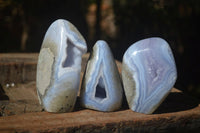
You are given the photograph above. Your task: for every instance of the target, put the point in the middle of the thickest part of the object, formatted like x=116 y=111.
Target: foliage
x=23 y=23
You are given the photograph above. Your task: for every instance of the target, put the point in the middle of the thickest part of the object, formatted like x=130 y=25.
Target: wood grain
x=20 y=110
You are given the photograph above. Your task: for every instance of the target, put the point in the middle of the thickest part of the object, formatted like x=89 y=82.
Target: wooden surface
x=21 y=112
x=17 y=68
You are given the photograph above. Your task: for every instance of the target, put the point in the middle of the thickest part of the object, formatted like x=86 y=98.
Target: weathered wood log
x=17 y=68
x=20 y=110
x=94 y=121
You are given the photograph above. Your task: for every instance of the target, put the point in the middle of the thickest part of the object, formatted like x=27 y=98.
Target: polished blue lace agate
x=148 y=74
x=101 y=87
x=59 y=67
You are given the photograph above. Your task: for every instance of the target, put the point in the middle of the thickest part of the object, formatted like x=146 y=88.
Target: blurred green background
x=23 y=24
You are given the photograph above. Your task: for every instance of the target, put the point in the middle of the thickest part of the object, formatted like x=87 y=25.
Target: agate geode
x=101 y=87
x=59 y=66
x=148 y=74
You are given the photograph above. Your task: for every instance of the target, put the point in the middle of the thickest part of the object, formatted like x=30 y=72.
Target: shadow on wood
x=177 y=101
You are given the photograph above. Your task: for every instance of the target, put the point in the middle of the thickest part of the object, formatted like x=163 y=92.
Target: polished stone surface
x=101 y=87
x=148 y=74
x=59 y=66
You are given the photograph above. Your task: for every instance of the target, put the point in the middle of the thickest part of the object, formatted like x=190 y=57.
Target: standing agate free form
x=148 y=74
x=59 y=66
x=101 y=87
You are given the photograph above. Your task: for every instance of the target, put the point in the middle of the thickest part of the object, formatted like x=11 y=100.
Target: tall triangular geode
x=101 y=87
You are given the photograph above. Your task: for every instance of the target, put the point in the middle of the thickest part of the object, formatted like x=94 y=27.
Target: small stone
x=59 y=66
x=7 y=85
x=148 y=74
x=12 y=84
x=101 y=87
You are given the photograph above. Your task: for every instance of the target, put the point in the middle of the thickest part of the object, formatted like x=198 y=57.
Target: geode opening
x=100 y=89
x=71 y=55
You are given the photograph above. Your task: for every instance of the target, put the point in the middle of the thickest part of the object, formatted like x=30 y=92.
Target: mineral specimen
x=101 y=87
x=59 y=66
x=148 y=74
